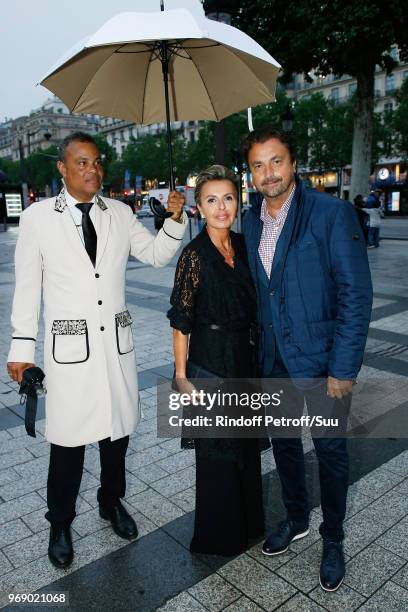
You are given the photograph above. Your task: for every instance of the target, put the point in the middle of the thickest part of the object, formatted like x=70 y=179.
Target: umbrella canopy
x=214 y=70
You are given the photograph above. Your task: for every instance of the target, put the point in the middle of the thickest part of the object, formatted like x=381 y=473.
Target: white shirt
x=272 y=228
x=375 y=216
x=76 y=214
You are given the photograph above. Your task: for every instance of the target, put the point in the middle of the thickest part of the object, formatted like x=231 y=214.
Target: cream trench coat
x=89 y=357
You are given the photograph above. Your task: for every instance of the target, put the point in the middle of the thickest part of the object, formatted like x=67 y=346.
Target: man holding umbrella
x=74 y=250
x=122 y=71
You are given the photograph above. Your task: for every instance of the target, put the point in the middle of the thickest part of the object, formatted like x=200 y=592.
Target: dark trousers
x=374 y=236
x=333 y=463
x=65 y=474
x=229 y=507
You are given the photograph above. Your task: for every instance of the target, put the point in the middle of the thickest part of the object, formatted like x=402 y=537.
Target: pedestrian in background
x=373 y=209
x=373 y=199
x=363 y=217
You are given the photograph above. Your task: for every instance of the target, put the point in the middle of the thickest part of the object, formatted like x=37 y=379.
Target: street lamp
x=220 y=10
x=287 y=119
x=29 y=136
x=23 y=178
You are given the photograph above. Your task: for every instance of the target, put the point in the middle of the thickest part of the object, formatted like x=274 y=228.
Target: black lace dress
x=216 y=305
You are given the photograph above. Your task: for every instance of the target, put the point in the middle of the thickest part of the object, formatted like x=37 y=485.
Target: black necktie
x=88 y=230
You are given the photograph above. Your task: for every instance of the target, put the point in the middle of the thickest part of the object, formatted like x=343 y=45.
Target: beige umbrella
x=210 y=70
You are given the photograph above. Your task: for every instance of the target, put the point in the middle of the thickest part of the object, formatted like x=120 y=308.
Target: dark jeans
x=374 y=236
x=333 y=463
x=65 y=474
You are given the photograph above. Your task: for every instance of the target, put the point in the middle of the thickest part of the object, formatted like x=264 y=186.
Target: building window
x=405 y=75
x=192 y=137
x=389 y=83
x=334 y=94
x=388 y=106
x=352 y=89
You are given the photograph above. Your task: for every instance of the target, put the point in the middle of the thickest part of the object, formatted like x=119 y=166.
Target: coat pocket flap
x=305 y=245
x=123 y=319
x=69 y=327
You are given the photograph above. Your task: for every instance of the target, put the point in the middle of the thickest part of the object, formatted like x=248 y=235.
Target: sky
x=35 y=34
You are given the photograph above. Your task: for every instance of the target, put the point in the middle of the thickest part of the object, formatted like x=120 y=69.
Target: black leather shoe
x=60 y=551
x=278 y=542
x=332 y=568
x=122 y=523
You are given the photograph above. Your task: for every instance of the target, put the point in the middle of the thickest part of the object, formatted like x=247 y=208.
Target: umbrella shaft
x=165 y=68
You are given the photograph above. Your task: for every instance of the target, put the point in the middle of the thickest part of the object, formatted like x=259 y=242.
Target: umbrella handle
x=158 y=209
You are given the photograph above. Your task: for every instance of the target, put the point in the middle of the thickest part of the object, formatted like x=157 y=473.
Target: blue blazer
x=320 y=291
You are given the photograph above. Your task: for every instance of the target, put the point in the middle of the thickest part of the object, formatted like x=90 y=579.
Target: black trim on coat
x=71 y=362
x=170 y=236
x=117 y=338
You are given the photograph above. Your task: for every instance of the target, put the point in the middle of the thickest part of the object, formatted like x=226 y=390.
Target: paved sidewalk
x=394 y=228
x=157 y=571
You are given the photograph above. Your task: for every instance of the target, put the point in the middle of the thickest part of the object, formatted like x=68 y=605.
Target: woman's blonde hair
x=214 y=173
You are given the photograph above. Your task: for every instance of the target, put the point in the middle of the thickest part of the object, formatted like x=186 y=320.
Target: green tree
x=113 y=177
x=11 y=170
x=180 y=159
x=41 y=169
x=236 y=126
x=148 y=157
x=109 y=157
x=310 y=117
x=200 y=153
x=326 y=131
x=333 y=36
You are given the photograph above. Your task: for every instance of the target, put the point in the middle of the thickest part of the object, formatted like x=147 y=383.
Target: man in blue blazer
x=308 y=259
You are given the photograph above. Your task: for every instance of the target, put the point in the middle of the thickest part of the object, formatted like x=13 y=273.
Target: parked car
x=144 y=211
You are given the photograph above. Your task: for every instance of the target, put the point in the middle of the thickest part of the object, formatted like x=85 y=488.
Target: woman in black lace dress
x=213 y=306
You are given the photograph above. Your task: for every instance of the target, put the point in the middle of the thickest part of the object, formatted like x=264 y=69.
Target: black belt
x=251 y=328
x=230 y=328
